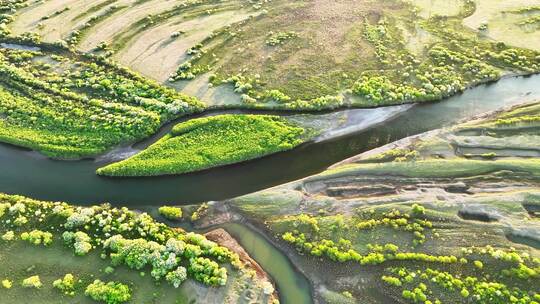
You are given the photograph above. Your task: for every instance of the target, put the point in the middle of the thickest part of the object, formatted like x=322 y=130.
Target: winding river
x=30 y=174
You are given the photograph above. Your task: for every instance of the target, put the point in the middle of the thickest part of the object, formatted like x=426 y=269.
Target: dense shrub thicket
x=125 y=237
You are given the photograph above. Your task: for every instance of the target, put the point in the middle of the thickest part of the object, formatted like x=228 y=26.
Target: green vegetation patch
x=485 y=275
x=373 y=238
x=67 y=105
x=454 y=168
x=210 y=142
x=62 y=253
x=170 y=213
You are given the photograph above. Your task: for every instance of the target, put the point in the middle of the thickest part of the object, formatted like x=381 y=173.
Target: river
x=28 y=173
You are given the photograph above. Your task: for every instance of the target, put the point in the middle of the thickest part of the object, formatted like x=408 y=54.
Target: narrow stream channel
x=293 y=287
x=27 y=173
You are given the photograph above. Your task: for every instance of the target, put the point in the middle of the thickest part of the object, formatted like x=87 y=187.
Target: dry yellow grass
x=503 y=26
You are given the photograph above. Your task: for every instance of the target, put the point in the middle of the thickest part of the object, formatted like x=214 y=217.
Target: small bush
x=110 y=293
x=171 y=213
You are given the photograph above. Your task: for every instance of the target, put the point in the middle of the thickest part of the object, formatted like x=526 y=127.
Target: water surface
x=293 y=287
x=27 y=173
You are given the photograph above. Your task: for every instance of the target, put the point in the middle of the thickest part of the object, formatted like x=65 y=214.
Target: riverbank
x=30 y=174
x=339 y=217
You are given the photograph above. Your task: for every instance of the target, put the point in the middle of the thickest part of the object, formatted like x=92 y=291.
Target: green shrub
x=32 y=282
x=109 y=293
x=66 y=285
x=171 y=213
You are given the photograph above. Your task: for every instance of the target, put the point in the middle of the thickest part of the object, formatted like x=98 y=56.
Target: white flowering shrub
x=8 y=236
x=81 y=243
x=80 y=218
x=17 y=208
x=176 y=246
x=177 y=277
x=268 y=288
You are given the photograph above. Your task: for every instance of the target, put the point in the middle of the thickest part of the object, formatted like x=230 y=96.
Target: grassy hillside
x=302 y=54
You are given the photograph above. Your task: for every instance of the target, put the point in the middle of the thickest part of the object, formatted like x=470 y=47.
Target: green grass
x=454 y=168
x=67 y=106
x=210 y=142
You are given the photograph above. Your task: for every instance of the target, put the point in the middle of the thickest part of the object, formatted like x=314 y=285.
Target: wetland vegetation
x=209 y=142
x=425 y=220
x=102 y=244
x=139 y=88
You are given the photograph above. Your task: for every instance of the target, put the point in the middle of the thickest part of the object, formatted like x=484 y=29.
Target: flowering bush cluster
x=79 y=240
x=37 y=237
x=135 y=240
x=110 y=293
x=165 y=259
x=177 y=276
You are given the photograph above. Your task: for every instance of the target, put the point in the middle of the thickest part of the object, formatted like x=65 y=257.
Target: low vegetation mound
x=210 y=142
